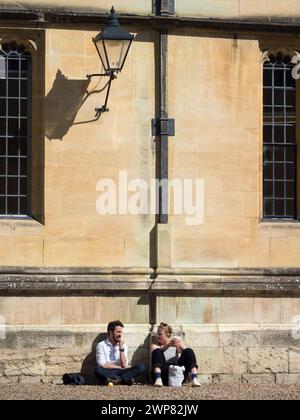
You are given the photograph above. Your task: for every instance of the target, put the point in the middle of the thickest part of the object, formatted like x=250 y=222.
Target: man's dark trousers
x=125 y=374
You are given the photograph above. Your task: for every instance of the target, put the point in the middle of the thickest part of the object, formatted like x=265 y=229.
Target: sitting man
x=112 y=358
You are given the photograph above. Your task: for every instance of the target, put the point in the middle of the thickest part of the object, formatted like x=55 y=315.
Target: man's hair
x=112 y=325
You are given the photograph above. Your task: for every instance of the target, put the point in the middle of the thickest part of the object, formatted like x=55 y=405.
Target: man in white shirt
x=112 y=358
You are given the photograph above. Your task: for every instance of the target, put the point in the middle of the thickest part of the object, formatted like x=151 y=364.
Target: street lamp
x=112 y=45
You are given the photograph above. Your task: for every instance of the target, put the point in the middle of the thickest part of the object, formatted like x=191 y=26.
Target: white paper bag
x=176 y=375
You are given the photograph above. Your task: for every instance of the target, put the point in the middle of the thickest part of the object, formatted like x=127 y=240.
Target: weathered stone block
x=20 y=355
x=268 y=360
x=31 y=380
x=64 y=366
x=202 y=336
x=4 y=380
x=267 y=310
x=226 y=379
x=205 y=378
x=10 y=341
x=281 y=338
x=290 y=310
x=259 y=379
x=288 y=379
x=222 y=360
x=241 y=338
x=294 y=358
x=46 y=340
x=24 y=367
x=69 y=352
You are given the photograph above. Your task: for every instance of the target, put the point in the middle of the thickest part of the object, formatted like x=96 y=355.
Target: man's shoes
x=158 y=383
x=195 y=382
x=130 y=382
x=115 y=381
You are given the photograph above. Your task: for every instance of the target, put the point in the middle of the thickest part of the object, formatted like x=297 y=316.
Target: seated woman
x=171 y=351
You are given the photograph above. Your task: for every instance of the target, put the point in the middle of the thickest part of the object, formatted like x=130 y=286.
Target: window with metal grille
x=15 y=115
x=279 y=138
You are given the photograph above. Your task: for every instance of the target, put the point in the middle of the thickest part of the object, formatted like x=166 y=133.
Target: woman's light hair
x=166 y=328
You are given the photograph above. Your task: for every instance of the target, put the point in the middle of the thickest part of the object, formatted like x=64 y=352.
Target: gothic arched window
x=279 y=138
x=15 y=129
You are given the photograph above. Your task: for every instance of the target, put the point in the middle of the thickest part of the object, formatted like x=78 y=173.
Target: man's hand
x=112 y=366
x=123 y=359
x=121 y=342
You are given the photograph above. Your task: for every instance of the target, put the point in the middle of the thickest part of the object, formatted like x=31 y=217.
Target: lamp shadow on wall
x=63 y=102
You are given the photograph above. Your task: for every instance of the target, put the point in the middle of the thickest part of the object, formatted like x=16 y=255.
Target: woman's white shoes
x=158 y=382
x=195 y=382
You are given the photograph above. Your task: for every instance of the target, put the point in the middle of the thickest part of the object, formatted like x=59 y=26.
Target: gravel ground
x=143 y=392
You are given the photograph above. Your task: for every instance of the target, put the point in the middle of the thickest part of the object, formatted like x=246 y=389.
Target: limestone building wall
x=224 y=9
x=231 y=284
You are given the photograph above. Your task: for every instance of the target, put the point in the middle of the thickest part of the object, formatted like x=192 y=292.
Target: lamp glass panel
x=101 y=51
x=116 y=52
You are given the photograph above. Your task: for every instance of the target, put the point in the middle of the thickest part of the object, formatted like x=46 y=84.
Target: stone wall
x=219 y=9
x=226 y=353
x=231 y=284
x=238 y=9
x=101 y=6
x=253 y=340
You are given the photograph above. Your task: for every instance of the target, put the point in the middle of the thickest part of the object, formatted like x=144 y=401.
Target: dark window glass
x=12 y=186
x=12 y=166
x=13 y=146
x=2 y=186
x=3 y=88
x=268 y=207
x=13 y=127
x=2 y=146
x=12 y=205
x=13 y=88
x=2 y=107
x=23 y=147
x=13 y=107
x=290 y=208
x=3 y=124
x=23 y=186
x=290 y=189
x=2 y=166
x=280 y=147
x=23 y=205
x=2 y=205
x=14 y=134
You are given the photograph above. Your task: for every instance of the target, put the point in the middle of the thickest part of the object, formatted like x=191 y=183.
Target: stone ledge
x=61 y=282
x=230 y=284
x=162 y=281
x=53 y=15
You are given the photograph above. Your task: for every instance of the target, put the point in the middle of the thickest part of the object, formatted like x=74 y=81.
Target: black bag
x=73 y=379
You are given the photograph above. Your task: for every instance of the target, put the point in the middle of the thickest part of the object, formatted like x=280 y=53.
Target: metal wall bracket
x=163 y=127
x=163 y=7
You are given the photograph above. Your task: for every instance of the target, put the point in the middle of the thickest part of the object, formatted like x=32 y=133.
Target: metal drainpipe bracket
x=163 y=7
x=163 y=127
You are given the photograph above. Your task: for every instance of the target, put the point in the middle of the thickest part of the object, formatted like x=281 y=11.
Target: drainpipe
x=162 y=128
